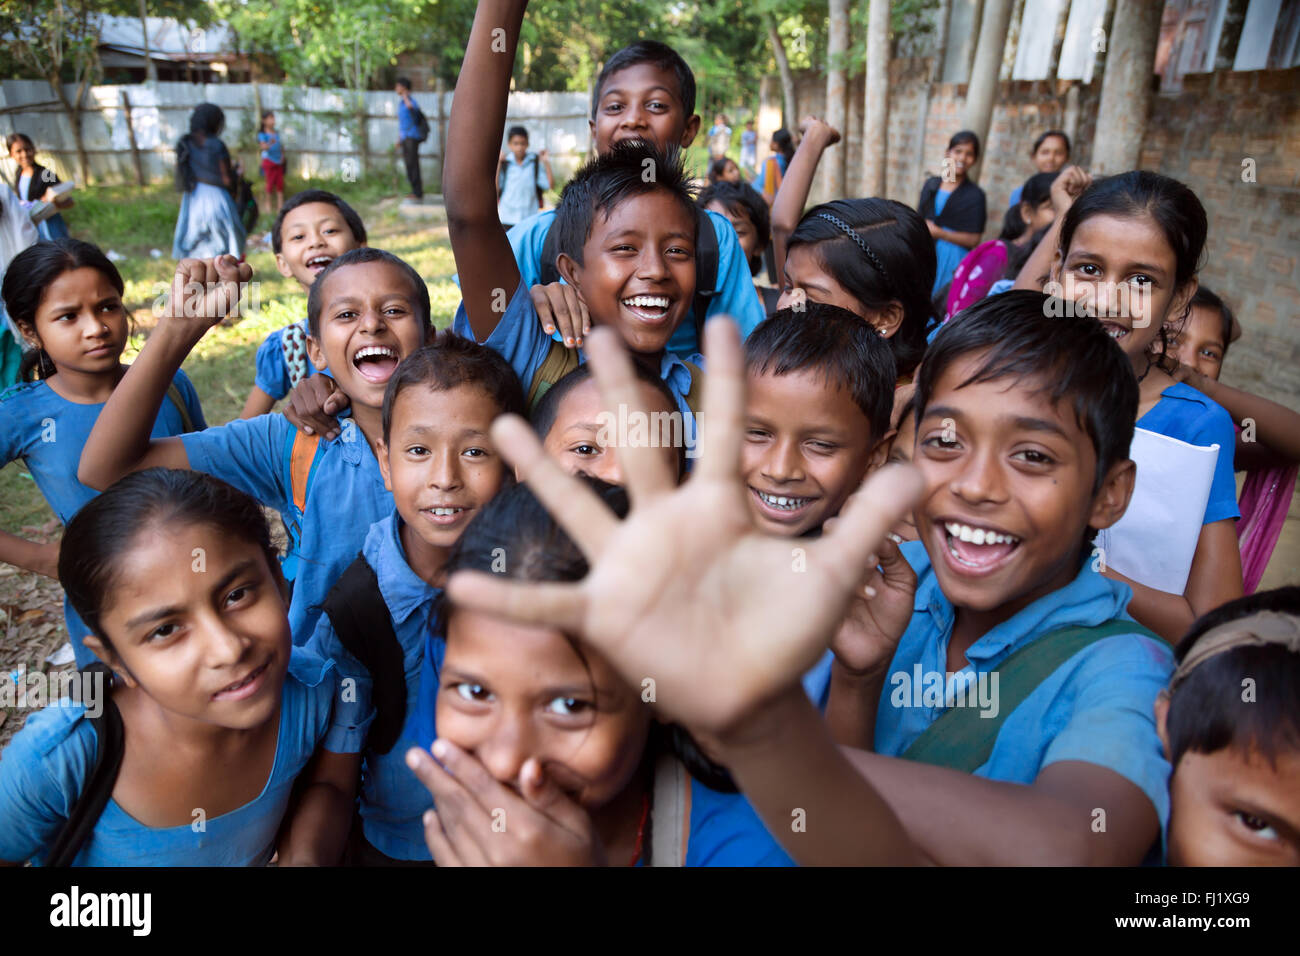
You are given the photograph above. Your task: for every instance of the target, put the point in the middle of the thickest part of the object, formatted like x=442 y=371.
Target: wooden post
x=875 y=127
x=1127 y=86
x=837 y=49
x=983 y=89
x=130 y=132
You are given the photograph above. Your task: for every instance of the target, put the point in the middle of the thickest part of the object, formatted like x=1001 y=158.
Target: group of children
x=493 y=642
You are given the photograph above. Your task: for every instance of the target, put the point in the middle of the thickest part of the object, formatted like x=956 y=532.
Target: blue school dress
x=48 y=432
x=1190 y=416
x=345 y=496
x=736 y=296
x=521 y=341
x=208 y=224
x=1097 y=707
x=393 y=799
x=45 y=767
x=274 y=374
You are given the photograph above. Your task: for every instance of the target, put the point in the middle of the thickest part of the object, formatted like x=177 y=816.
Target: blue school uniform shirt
x=272 y=151
x=345 y=496
x=521 y=341
x=736 y=297
x=393 y=799
x=406 y=126
x=1097 y=707
x=519 y=189
x=48 y=432
x=726 y=831
x=272 y=372
x=1190 y=416
x=45 y=767
x=948 y=254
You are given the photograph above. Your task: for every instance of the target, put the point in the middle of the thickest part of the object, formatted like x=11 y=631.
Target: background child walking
x=272 y=162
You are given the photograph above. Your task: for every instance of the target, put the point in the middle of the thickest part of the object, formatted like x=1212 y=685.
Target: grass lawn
x=133 y=222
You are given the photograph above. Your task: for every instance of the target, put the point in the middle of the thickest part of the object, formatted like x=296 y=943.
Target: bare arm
x=484 y=258
x=787 y=208
x=1277 y=428
x=967 y=240
x=1215 y=579
x=315 y=833
x=202 y=293
x=1065 y=190
x=259 y=403
x=30 y=555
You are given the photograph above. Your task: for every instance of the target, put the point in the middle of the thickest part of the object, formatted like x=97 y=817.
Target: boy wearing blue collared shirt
x=367 y=310
x=627 y=229
x=1024 y=424
x=523 y=177
x=438 y=462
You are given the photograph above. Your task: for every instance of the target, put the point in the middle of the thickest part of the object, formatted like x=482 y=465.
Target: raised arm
x=787 y=208
x=1065 y=190
x=30 y=555
x=484 y=260
x=1276 y=435
x=203 y=292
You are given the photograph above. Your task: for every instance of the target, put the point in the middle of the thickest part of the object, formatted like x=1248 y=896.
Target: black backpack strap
x=706 y=268
x=99 y=785
x=364 y=626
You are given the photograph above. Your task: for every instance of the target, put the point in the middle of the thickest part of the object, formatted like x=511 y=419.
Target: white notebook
x=1155 y=541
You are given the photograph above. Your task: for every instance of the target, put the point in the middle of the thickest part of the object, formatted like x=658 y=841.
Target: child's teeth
x=977 y=536
x=447 y=511
x=647 y=302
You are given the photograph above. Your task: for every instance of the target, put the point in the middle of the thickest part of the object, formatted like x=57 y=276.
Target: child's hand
x=314 y=406
x=1067 y=187
x=205 y=291
x=935 y=231
x=878 y=614
x=558 y=306
x=684 y=596
x=481 y=822
x=818 y=128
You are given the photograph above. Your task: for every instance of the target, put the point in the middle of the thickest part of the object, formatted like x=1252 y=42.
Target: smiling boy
x=367 y=310
x=1024 y=424
x=313 y=229
x=626 y=225
x=821 y=386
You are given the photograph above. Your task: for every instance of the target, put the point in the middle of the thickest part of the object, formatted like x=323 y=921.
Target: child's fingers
x=886 y=495
x=544 y=795
x=542 y=303
x=435 y=838
x=461 y=814
x=561 y=606
x=586 y=518
x=644 y=469
x=721 y=427
x=578 y=321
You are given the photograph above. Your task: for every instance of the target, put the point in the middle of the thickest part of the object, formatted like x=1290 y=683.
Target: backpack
x=99 y=783
x=962 y=739
x=174 y=396
x=300 y=456
x=293 y=346
x=364 y=626
x=421 y=123
x=560 y=361
x=706 y=265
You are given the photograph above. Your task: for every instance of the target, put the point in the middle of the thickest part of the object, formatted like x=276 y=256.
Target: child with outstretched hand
x=701 y=613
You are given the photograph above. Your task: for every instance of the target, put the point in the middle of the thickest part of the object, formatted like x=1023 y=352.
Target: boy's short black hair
x=847 y=351
x=1027 y=339
x=609 y=179
x=317 y=195
x=740 y=199
x=404 y=81
x=516 y=131
x=451 y=360
x=657 y=54
x=353 y=257
x=1210 y=709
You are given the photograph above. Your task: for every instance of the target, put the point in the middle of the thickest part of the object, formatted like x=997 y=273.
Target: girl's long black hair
x=206 y=120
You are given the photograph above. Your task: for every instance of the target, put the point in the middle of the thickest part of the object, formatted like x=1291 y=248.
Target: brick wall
x=1200 y=136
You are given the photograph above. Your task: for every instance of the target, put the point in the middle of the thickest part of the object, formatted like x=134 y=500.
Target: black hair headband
x=862 y=243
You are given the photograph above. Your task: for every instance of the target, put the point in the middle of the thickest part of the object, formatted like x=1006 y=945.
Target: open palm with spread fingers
x=685 y=592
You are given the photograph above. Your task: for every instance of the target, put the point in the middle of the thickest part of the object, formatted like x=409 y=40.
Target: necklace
x=640 y=830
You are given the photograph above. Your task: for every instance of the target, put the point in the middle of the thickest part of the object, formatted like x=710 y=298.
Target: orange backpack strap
x=301 y=459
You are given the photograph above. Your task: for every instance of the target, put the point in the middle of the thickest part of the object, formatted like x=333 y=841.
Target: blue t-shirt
x=273 y=375
x=736 y=296
x=948 y=255
x=1190 y=416
x=521 y=341
x=48 y=432
x=271 y=148
x=406 y=128
x=345 y=496
x=45 y=767
x=1097 y=707
x=726 y=831
x=519 y=188
x=393 y=799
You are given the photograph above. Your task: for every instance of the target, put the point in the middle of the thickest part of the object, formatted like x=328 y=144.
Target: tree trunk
x=73 y=112
x=1127 y=86
x=837 y=49
x=151 y=70
x=983 y=89
x=790 y=116
x=875 y=121
x=940 y=43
